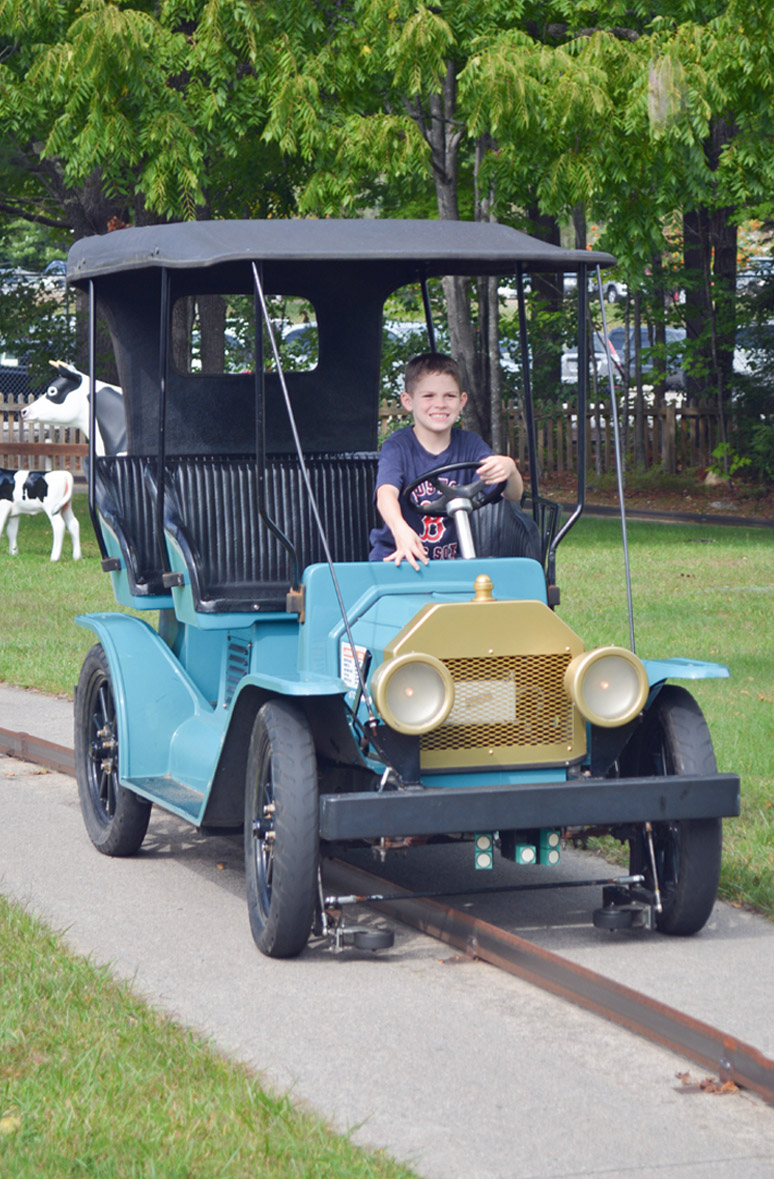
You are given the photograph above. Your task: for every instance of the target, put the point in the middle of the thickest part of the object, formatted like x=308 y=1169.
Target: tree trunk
x=212 y=322
x=709 y=248
x=182 y=324
x=579 y=226
x=639 y=399
x=547 y=295
x=442 y=132
x=489 y=320
x=698 y=305
x=659 y=331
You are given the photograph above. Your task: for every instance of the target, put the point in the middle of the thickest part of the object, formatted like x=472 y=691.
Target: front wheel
x=687 y=853
x=281 y=830
x=116 y=818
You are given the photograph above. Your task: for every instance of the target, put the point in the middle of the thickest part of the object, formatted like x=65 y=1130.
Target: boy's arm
x=407 y=543
x=500 y=468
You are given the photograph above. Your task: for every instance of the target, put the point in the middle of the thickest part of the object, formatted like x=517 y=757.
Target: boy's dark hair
x=431 y=362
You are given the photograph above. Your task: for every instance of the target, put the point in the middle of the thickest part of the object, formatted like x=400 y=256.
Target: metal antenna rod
x=618 y=463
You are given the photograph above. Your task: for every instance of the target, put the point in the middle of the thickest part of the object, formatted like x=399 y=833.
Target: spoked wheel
x=687 y=852
x=116 y=818
x=281 y=830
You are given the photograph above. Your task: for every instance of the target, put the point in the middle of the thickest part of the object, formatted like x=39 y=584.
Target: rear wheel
x=281 y=830
x=687 y=852
x=116 y=818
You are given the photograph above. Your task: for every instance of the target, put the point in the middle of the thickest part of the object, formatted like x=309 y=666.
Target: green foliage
x=188 y=108
x=30 y=246
x=726 y=461
x=37 y=326
x=158 y=101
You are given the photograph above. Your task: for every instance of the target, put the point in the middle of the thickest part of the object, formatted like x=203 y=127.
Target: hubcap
x=103 y=751
x=264 y=837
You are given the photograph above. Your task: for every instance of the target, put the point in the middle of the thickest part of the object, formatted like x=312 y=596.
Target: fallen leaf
x=710 y=1085
x=9 y=1125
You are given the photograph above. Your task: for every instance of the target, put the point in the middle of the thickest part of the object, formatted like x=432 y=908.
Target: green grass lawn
x=40 y=645
x=95 y=1083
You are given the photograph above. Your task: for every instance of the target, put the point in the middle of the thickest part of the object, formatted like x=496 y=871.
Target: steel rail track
x=732 y=1059
x=38 y=751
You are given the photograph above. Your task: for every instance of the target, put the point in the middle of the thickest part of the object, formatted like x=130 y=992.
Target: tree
x=510 y=109
x=149 y=112
x=114 y=115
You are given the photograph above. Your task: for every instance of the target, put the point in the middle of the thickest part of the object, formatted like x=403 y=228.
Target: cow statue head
x=66 y=403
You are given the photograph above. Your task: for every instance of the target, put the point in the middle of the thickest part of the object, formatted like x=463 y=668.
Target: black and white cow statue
x=25 y=493
x=66 y=403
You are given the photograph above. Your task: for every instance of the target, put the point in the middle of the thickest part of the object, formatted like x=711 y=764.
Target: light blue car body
x=176 y=699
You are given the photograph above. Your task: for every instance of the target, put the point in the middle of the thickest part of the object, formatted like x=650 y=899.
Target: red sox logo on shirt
x=434 y=527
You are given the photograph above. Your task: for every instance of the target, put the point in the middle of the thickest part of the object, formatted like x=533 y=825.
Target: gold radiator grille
x=513 y=702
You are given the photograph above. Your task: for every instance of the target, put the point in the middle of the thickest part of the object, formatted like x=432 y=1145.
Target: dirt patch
x=737 y=500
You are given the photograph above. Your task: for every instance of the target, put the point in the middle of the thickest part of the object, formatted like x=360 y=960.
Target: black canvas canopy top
x=345 y=269
x=430 y=247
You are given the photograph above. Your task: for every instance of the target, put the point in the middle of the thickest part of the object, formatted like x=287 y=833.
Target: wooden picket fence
x=674 y=438
x=37 y=447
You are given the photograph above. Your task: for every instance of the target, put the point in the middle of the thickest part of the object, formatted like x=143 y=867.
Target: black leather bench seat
x=234 y=560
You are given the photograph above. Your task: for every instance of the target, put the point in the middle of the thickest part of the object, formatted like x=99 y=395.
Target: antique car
x=312 y=697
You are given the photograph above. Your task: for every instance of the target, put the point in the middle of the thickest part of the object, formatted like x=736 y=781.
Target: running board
x=169 y=794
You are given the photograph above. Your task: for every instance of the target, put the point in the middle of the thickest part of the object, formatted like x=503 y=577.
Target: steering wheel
x=474 y=493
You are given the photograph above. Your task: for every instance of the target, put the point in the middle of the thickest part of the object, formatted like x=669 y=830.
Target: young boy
x=434 y=395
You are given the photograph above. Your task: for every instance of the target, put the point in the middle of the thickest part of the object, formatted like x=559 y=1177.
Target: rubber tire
x=282 y=875
x=116 y=818
x=688 y=852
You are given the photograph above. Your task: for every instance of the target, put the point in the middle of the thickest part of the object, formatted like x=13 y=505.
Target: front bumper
x=585 y=802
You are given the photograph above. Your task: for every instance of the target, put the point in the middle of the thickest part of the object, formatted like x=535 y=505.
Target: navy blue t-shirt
x=402 y=460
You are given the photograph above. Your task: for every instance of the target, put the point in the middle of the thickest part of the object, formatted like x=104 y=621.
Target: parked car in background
x=54 y=275
x=614 y=291
x=570 y=361
x=754 y=348
x=15 y=384
x=675 y=376
x=757 y=272
x=11 y=277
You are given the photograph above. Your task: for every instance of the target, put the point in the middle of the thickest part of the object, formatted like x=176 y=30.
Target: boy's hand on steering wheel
x=496 y=468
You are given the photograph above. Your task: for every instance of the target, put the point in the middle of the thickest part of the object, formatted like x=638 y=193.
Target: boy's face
x=436 y=402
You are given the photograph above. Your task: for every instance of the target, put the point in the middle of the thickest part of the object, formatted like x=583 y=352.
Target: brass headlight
x=414 y=693
x=609 y=686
